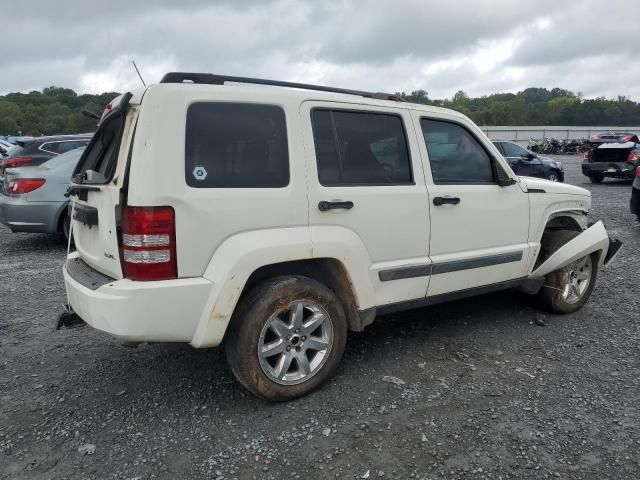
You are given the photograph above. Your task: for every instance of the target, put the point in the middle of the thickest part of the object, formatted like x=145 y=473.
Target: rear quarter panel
x=206 y=217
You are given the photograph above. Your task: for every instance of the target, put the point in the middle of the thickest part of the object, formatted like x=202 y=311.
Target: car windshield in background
x=72 y=156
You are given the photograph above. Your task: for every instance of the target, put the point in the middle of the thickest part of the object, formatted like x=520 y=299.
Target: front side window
x=235 y=145
x=455 y=155
x=360 y=148
x=513 y=150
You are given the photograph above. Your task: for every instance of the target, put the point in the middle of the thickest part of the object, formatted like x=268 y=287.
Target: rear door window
x=102 y=152
x=235 y=145
x=360 y=148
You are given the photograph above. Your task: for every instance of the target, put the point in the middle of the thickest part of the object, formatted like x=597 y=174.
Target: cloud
x=480 y=46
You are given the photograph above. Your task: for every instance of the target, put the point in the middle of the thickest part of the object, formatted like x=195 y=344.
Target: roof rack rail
x=212 y=79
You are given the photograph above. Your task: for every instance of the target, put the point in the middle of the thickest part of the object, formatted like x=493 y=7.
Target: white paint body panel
x=224 y=235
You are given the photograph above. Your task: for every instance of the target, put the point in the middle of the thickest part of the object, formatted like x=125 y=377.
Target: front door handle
x=324 y=206
x=437 y=201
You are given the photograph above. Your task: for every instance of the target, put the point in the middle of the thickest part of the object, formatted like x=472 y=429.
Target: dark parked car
x=529 y=164
x=635 y=195
x=611 y=154
x=34 y=152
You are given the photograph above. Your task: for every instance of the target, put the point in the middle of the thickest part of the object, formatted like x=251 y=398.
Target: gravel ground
x=491 y=388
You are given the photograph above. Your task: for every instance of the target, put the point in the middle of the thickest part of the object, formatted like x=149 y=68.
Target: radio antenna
x=138 y=72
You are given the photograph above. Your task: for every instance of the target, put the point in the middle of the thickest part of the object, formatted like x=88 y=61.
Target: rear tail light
x=20 y=186
x=595 y=138
x=148 y=243
x=16 y=162
x=627 y=138
x=585 y=157
x=638 y=171
x=633 y=156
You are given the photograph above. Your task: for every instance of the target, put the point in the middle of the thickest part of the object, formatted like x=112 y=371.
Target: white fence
x=522 y=135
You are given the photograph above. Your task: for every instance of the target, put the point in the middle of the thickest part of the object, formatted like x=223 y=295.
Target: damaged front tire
x=567 y=289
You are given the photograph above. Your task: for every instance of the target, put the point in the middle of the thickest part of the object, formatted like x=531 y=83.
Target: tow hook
x=69 y=319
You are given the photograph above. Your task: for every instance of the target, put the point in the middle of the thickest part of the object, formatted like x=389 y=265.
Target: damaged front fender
x=593 y=239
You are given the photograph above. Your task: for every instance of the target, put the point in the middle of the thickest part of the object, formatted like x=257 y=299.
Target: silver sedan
x=32 y=199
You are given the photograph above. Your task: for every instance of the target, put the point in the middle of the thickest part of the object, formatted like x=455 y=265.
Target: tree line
x=56 y=110
x=538 y=106
x=53 y=110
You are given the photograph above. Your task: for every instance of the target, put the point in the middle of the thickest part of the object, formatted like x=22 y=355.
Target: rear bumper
x=608 y=169
x=21 y=215
x=162 y=311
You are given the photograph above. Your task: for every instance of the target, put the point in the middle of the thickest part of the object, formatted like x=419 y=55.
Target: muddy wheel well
x=328 y=271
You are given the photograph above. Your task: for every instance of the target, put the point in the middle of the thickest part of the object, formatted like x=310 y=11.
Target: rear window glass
x=234 y=145
x=72 y=156
x=102 y=151
x=360 y=148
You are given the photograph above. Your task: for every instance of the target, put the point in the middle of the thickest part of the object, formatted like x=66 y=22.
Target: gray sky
x=480 y=46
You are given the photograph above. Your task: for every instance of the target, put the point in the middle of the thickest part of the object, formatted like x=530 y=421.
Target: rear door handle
x=324 y=206
x=437 y=201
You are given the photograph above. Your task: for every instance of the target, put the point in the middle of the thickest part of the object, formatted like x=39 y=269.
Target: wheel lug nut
x=297 y=349
x=288 y=348
x=304 y=338
x=297 y=330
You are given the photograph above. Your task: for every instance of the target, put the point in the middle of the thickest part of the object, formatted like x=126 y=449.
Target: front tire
x=566 y=290
x=286 y=337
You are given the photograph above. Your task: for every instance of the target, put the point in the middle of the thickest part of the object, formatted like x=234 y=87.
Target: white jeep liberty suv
x=276 y=219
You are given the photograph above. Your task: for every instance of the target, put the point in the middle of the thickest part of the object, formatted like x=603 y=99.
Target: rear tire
x=596 y=178
x=286 y=337
x=566 y=290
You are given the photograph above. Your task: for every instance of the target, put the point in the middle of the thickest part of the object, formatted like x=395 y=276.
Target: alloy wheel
x=295 y=342
x=577 y=279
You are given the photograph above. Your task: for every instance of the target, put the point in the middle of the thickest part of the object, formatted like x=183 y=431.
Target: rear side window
x=235 y=145
x=102 y=152
x=49 y=147
x=455 y=156
x=360 y=148
x=66 y=146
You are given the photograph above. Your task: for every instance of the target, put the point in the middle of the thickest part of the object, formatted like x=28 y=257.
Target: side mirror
x=529 y=156
x=502 y=178
x=505 y=182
